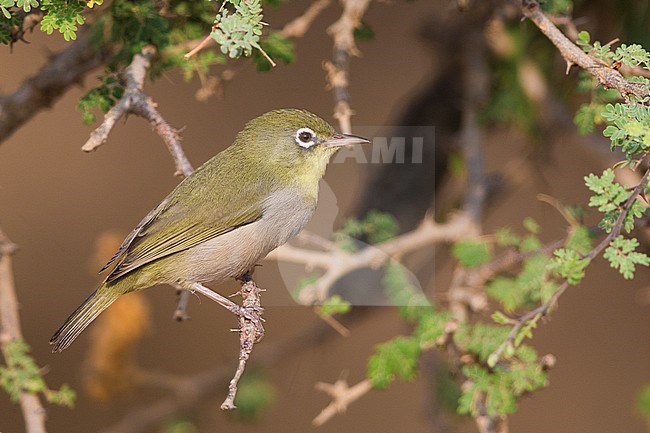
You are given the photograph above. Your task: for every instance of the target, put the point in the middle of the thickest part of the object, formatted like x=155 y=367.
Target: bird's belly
x=235 y=253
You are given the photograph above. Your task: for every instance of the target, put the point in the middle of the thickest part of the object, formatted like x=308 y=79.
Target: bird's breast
x=285 y=214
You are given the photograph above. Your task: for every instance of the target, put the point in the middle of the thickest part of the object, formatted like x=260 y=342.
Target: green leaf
x=580 y=240
x=481 y=339
x=643 y=403
x=507 y=238
x=622 y=256
x=583 y=38
x=22 y=374
x=568 y=264
x=531 y=225
x=431 y=326
x=334 y=305
x=501 y=319
x=471 y=254
x=375 y=228
x=238 y=32
x=500 y=387
x=254 y=396
x=397 y=358
x=363 y=32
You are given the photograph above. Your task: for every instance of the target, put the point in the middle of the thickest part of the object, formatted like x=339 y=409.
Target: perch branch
x=250 y=331
x=606 y=75
x=201 y=386
x=337 y=71
x=10 y=331
x=42 y=90
x=250 y=328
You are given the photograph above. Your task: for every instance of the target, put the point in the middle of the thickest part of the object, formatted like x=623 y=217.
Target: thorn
x=568 y=67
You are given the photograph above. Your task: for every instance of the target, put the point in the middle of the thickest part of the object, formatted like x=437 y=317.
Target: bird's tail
x=84 y=315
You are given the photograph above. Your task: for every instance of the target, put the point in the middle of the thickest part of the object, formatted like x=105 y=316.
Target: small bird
x=231 y=212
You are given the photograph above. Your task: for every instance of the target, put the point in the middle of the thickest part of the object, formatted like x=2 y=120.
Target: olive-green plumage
x=217 y=223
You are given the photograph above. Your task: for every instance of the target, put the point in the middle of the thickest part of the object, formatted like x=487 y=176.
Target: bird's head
x=293 y=140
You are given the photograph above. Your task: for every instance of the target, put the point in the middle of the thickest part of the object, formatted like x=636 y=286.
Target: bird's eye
x=305 y=137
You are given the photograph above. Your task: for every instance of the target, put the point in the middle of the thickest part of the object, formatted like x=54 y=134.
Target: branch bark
x=64 y=69
x=135 y=101
x=10 y=331
x=342 y=31
x=607 y=76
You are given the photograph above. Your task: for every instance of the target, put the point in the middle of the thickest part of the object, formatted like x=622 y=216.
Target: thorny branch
x=342 y=31
x=545 y=308
x=606 y=75
x=197 y=388
x=40 y=91
x=10 y=331
x=135 y=101
x=250 y=331
x=342 y=396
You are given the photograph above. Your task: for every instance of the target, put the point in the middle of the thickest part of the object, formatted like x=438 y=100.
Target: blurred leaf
x=397 y=358
x=471 y=254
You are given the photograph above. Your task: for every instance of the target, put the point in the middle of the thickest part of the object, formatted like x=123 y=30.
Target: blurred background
x=68 y=210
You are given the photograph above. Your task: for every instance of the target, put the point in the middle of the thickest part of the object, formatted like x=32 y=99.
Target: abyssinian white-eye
x=231 y=212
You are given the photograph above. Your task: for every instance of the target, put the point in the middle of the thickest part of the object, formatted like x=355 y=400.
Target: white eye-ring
x=305 y=137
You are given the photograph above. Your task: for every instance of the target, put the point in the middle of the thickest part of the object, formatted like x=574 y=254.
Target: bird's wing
x=166 y=232
x=173 y=226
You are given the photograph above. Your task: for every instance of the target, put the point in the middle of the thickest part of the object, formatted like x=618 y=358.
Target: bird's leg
x=214 y=296
x=250 y=329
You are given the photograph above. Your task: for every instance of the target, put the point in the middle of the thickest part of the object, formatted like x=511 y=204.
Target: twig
x=197 y=388
x=135 y=101
x=342 y=31
x=213 y=85
x=544 y=309
x=203 y=43
x=250 y=331
x=607 y=76
x=297 y=27
x=10 y=331
x=337 y=263
x=342 y=395
x=63 y=70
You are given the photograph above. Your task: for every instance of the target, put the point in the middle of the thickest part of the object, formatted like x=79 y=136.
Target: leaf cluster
x=21 y=374
x=375 y=228
x=237 y=27
x=103 y=96
x=500 y=387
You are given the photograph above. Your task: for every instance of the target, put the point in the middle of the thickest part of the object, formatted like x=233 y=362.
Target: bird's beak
x=340 y=140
